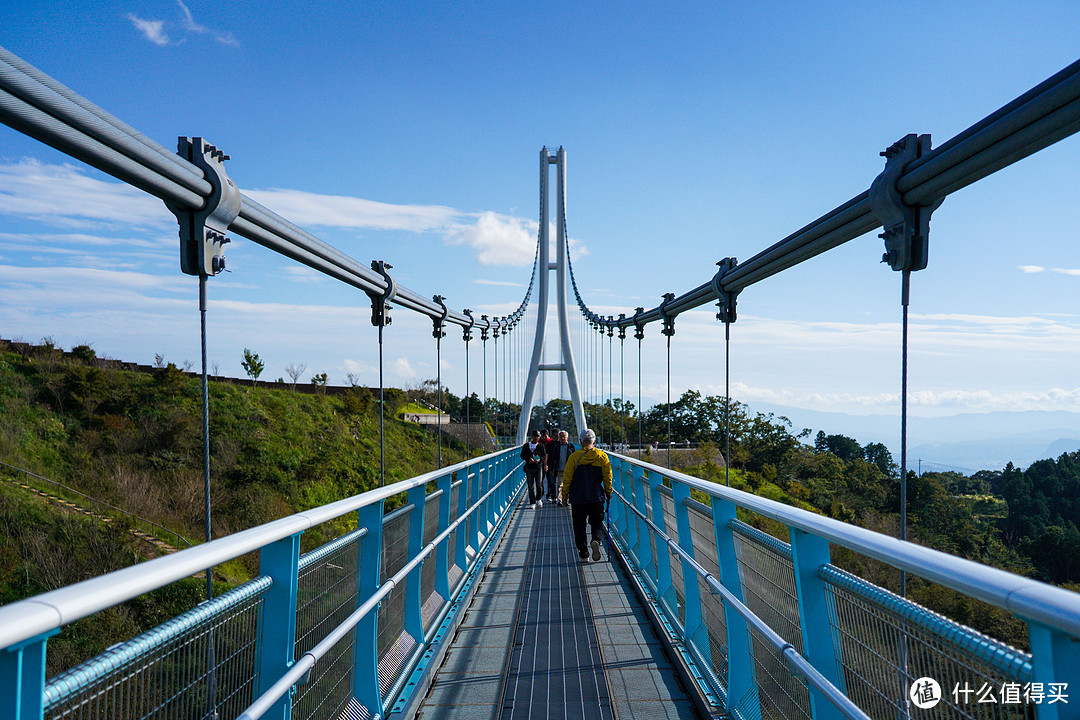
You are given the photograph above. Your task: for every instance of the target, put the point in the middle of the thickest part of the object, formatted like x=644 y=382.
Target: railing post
x=643 y=552
x=461 y=545
x=693 y=624
x=808 y=553
x=741 y=683
x=22 y=675
x=476 y=490
x=366 y=688
x=629 y=519
x=1055 y=659
x=664 y=585
x=414 y=621
x=442 y=552
x=277 y=621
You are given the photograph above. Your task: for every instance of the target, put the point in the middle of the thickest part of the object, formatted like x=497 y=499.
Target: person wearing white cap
x=587 y=485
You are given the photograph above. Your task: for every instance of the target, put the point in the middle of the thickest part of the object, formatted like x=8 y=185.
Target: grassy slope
x=134 y=440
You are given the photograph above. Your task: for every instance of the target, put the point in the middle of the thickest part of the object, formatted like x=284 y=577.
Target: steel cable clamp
x=610 y=325
x=484 y=330
x=669 y=320
x=639 y=331
x=622 y=328
x=906 y=227
x=380 y=302
x=725 y=300
x=466 y=330
x=437 y=331
x=202 y=230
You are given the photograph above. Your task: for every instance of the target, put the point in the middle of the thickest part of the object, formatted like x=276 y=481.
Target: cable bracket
x=610 y=325
x=725 y=300
x=202 y=231
x=380 y=302
x=622 y=328
x=484 y=330
x=639 y=326
x=669 y=320
x=437 y=331
x=466 y=330
x=906 y=227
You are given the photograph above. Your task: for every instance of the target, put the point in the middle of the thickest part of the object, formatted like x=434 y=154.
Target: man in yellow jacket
x=587 y=486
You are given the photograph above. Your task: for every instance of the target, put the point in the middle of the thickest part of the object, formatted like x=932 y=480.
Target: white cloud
x=304 y=274
x=1031 y=268
x=312 y=209
x=1067 y=271
x=152 y=30
x=65 y=195
x=188 y=23
x=403 y=369
x=499 y=239
x=928 y=401
x=498 y=283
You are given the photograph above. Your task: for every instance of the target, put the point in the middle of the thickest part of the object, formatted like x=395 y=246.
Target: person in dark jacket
x=551 y=448
x=587 y=486
x=532 y=452
x=558 y=454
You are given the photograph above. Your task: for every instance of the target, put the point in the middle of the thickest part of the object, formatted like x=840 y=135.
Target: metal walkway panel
x=556 y=670
x=547 y=636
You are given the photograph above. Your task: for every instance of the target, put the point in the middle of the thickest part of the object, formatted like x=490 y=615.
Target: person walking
x=587 y=485
x=558 y=454
x=551 y=449
x=532 y=452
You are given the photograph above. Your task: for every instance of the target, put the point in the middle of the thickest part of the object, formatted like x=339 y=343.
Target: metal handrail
x=60 y=486
x=1049 y=605
x=796 y=662
x=305 y=663
x=49 y=611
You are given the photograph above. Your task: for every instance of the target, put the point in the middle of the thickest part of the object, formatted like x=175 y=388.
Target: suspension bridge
x=464 y=602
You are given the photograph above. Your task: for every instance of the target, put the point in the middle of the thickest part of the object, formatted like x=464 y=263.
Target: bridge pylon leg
x=543 y=269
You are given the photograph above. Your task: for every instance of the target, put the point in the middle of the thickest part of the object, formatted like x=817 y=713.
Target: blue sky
x=410 y=132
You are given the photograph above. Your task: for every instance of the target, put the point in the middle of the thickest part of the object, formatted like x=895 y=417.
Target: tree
x=319 y=381
x=294 y=371
x=252 y=365
x=878 y=454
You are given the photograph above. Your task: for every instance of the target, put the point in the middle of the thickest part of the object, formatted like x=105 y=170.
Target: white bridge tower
x=545 y=266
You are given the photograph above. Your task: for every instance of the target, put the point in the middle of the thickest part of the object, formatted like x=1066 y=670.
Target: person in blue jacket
x=587 y=486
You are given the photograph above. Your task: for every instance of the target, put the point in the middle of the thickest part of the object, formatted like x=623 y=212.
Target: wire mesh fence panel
x=393 y=642
x=649 y=567
x=674 y=599
x=452 y=541
x=200 y=663
x=888 y=644
x=782 y=695
x=432 y=601
x=768 y=581
x=712 y=606
x=329 y=690
x=326 y=596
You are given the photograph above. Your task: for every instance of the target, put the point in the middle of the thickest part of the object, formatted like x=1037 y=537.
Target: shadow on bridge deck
x=549 y=636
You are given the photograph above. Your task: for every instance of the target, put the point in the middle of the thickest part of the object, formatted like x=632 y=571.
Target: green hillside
x=133 y=440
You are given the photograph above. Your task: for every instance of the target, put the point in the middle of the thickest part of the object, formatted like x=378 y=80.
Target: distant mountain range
x=965 y=443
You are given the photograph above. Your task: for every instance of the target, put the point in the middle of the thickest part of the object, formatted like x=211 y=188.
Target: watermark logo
x=925 y=693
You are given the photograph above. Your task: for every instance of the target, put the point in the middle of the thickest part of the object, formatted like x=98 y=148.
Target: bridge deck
x=548 y=636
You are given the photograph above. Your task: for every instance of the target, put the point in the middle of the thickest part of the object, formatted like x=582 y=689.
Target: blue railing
x=349 y=626
x=767 y=628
